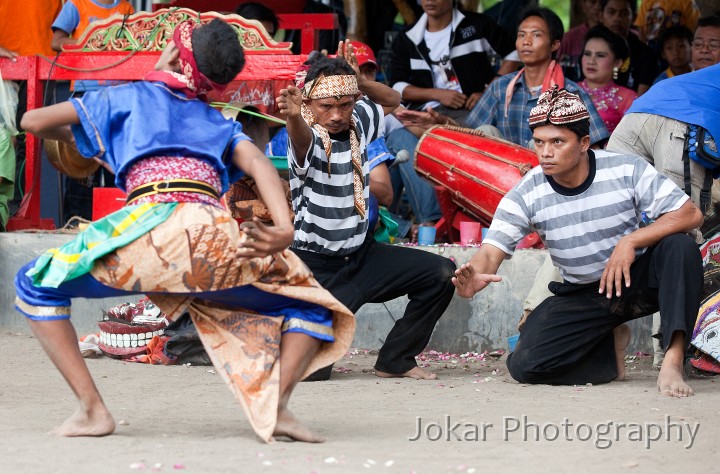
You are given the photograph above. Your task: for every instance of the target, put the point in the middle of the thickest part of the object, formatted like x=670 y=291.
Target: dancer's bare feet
x=622 y=335
x=287 y=425
x=95 y=422
x=670 y=380
x=414 y=373
x=671 y=383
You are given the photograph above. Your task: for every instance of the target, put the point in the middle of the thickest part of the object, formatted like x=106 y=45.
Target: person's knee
x=520 y=369
x=679 y=245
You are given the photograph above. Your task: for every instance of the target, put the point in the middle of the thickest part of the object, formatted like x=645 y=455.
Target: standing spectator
x=617 y=15
x=675 y=49
x=77 y=15
x=571 y=46
x=603 y=58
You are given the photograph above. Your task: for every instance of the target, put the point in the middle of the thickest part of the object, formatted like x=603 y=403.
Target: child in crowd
x=675 y=49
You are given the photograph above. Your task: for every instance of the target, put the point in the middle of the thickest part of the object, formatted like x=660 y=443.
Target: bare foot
x=622 y=335
x=414 y=373
x=87 y=423
x=288 y=425
x=671 y=383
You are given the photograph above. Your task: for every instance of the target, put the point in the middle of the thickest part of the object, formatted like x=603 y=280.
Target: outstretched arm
x=479 y=272
x=264 y=239
x=51 y=122
x=289 y=102
x=387 y=97
x=685 y=219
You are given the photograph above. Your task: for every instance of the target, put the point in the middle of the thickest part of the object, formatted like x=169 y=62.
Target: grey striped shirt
x=582 y=226
x=325 y=217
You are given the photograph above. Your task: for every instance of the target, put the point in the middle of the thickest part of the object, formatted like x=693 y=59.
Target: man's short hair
x=631 y=3
x=553 y=22
x=712 y=20
x=325 y=66
x=680 y=32
x=217 y=51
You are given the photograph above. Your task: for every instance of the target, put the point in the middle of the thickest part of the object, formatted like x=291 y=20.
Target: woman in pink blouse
x=605 y=54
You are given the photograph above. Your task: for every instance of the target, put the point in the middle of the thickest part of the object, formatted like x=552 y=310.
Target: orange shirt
x=90 y=12
x=25 y=25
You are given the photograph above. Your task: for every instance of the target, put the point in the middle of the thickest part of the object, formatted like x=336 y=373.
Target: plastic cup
x=426 y=235
x=512 y=340
x=469 y=232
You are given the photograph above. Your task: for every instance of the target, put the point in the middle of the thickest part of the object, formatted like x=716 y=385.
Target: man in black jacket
x=445 y=57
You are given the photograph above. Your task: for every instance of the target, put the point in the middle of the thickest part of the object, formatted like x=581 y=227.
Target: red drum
x=476 y=169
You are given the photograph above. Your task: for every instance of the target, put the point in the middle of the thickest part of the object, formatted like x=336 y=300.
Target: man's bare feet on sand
x=287 y=425
x=414 y=373
x=671 y=383
x=622 y=335
x=87 y=423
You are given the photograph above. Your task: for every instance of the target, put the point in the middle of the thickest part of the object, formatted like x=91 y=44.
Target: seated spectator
x=504 y=109
x=618 y=15
x=675 y=49
x=442 y=61
x=571 y=46
x=706 y=42
x=603 y=57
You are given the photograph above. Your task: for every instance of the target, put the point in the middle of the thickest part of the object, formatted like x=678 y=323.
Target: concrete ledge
x=482 y=323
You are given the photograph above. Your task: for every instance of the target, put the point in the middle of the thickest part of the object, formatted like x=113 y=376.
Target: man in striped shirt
x=329 y=125
x=586 y=206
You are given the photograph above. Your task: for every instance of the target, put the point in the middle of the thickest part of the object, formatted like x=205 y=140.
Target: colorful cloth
x=160 y=168
x=611 y=102
x=558 y=107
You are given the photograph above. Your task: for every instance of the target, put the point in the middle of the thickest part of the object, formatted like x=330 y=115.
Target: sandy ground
x=183 y=419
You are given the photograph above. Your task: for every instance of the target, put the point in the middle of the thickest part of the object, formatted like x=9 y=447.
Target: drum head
x=66 y=159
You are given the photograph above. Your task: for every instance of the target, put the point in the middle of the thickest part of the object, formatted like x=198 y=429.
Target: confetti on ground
x=178 y=466
x=138 y=466
x=331 y=460
x=389 y=463
x=267 y=463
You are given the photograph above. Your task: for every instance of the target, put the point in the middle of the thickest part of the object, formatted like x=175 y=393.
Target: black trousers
x=376 y=273
x=568 y=339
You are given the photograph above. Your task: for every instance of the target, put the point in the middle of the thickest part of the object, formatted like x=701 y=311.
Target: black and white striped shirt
x=582 y=226
x=326 y=221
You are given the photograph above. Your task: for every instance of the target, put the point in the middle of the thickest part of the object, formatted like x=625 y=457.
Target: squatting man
x=586 y=205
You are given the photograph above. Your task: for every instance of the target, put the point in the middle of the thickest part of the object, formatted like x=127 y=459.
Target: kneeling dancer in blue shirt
x=587 y=206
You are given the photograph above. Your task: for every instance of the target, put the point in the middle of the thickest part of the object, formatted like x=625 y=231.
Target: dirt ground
x=474 y=419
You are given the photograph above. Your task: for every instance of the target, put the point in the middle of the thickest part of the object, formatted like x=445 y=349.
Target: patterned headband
x=331 y=86
x=558 y=107
x=197 y=84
